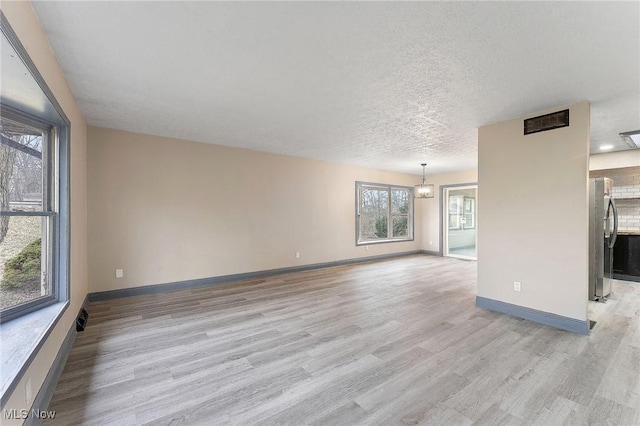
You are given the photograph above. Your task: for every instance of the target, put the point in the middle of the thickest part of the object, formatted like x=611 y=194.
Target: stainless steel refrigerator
x=603 y=231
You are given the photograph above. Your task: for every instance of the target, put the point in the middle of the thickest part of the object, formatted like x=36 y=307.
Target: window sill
x=22 y=338
x=391 y=240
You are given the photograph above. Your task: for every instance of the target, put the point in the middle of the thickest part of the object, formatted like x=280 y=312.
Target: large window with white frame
x=384 y=213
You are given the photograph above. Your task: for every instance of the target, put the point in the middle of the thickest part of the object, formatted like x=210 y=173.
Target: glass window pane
x=469 y=221
x=400 y=226
x=374 y=209
x=454 y=221
x=23 y=272
x=21 y=177
x=399 y=201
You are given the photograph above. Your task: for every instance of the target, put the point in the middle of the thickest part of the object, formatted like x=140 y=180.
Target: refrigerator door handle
x=614 y=233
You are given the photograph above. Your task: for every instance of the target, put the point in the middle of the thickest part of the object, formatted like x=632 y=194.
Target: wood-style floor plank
x=391 y=342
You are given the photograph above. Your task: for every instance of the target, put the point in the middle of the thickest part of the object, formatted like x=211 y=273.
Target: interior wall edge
x=542 y=183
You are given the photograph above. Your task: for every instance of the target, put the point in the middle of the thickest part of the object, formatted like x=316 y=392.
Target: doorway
x=460 y=206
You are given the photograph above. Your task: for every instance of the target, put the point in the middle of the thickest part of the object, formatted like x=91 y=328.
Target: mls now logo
x=14 y=413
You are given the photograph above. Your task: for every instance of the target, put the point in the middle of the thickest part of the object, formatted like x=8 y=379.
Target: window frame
x=56 y=203
x=50 y=210
x=27 y=331
x=360 y=185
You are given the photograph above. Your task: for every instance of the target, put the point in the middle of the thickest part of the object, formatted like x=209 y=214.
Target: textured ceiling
x=383 y=85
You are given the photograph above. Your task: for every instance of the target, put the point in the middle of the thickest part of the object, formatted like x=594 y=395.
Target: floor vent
x=81 y=322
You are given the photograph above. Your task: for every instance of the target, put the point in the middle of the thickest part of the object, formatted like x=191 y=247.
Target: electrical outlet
x=119 y=273
x=297 y=255
x=366 y=248
x=430 y=243
x=27 y=392
x=517 y=286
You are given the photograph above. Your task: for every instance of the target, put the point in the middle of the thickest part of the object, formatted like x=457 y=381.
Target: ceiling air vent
x=545 y=122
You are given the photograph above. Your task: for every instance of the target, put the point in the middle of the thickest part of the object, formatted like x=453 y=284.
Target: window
x=34 y=190
x=462 y=212
x=34 y=210
x=455 y=211
x=384 y=213
x=28 y=213
x=469 y=213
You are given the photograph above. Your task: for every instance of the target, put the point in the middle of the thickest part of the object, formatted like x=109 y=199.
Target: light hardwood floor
x=391 y=342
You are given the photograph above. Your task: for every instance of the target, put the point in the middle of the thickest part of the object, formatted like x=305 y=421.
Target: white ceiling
x=379 y=84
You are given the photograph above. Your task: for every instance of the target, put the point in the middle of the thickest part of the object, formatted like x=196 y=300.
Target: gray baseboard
x=431 y=252
x=224 y=279
x=542 y=317
x=43 y=398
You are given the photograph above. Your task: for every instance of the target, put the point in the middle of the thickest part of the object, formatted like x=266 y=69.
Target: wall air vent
x=546 y=122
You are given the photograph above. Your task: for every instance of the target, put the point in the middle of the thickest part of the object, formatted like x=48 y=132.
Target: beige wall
x=615 y=160
x=25 y=24
x=431 y=225
x=533 y=215
x=168 y=210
